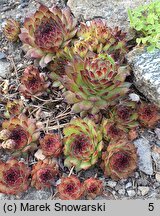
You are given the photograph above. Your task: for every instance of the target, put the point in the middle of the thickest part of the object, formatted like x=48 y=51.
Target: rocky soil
x=145 y=182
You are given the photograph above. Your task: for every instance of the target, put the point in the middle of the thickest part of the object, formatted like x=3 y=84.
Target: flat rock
x=146 y=69
x=114 y=11
x=4 y=68
x=31 y=194
x=144 y=153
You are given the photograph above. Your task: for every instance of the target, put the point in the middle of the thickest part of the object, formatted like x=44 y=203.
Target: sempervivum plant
x=82 y=143
x=43 y=174
x=94 y=83
x=111 y=131
x=21 y=133
x=13 y=108
x=32 y=82
x=120 y=160
x=14 y=177
x=57 y=69
x=47 y=32
x=97 y=37
x=125 y=115
x=70 y=188
x=148 y=115
x=12 y=30
x=93 y=187
x=51 y=145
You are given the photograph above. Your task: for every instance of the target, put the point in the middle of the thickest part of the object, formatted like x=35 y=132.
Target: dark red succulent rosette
x=93 y=187
x=120 y=160
x=19 y=136
x=112 y=131
x=43 y=174
x=70 y=188
x=14 y=177
x=81 y=147
x=32 y=82
x=51 y=145
x=148 y=115
x=22 y=132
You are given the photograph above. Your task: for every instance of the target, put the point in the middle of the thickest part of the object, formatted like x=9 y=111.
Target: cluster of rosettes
x=16 y=177
x=71 y=188
x=88 y=62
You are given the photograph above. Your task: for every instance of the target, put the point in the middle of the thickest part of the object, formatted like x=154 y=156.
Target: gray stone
x=144 y=190
x=131 y=193
x=6 y=197
x=111 y=184
x=128 y=185
x=33 y=194
x=144 y=152
x=114 y=11
x=121 y=191
x=4 y=68
x=146 y=70
x=158 y=177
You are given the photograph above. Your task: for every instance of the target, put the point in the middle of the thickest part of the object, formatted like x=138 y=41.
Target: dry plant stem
x=54 y=195
x=71 y=170
x=15 y=70
x=49 y=100
x=57 y=127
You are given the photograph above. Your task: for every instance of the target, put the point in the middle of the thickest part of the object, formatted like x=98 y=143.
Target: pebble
x=128 y=185
x=122 y=191
x=134 y=97
x=144 y=190
x=111 y=184
x=18 y=16
x=136 y=174
x=131 y=193
x=158 y=177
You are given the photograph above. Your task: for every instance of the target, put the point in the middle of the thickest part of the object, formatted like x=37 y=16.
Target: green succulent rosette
x=94 y=83
x=82 y=143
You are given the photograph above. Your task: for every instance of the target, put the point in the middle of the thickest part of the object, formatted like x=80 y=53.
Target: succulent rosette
x=14 y=177
x=43 y=174
x=94 y=83
x=70 y=188
x=148 y=115
x=111 y=131
x=93 y=187
x=97 y=37
x=47 y=32
x=120 y=160
x=82 y=143
x=32 y=82
x=125 y=114
x=12 y=30
x=51 y=145
x=13 y=108
x=21 y=133
x=57 y=66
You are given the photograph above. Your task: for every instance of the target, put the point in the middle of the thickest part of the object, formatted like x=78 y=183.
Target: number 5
x=151 y=206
